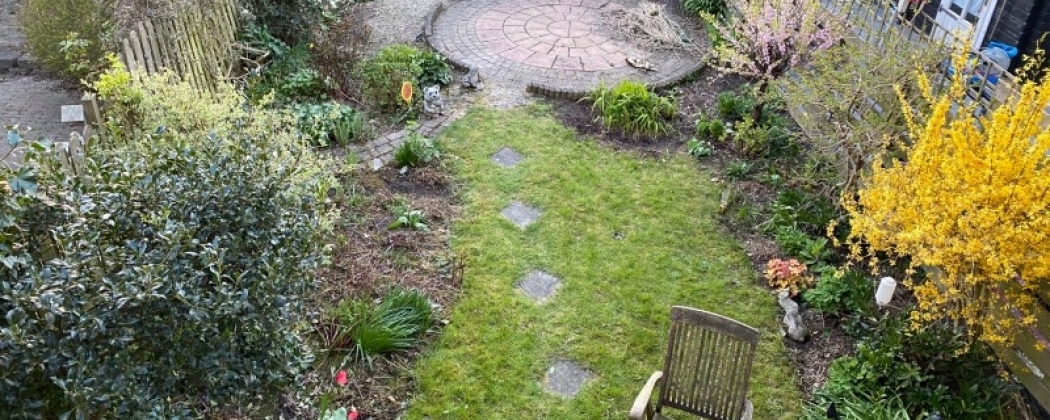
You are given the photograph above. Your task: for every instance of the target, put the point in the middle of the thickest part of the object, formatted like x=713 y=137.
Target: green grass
x=611 y=312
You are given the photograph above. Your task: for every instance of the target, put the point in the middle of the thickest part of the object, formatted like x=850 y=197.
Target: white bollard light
x=885 y=292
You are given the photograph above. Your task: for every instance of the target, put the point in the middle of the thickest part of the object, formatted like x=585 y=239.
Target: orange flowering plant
x=969 y=202
x=790 y=275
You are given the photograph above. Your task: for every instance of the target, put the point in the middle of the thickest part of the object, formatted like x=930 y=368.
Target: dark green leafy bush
x=323 y=124
x=158 y=278
x=708 y=128
x=434 y=69
x=48 y=23
x=716 y=8
x=415 y=151
x=806 y=211
x=289 y=20
x=733 y=106
x=851 y=293
x=287 y=72
x=367 y=330
x=382 y=75
x=932 y=370
x=630 y=106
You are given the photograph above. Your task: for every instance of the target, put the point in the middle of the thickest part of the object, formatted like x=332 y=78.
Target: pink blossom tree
x=769 y=37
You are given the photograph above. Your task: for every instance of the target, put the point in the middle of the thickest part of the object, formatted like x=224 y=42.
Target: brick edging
x=428 y=33
x=575 y=94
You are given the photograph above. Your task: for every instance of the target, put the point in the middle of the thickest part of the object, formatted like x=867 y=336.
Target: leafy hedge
x=154 y=281
x=168 y=273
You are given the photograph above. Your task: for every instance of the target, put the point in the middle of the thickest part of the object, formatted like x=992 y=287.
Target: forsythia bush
x=970 y=199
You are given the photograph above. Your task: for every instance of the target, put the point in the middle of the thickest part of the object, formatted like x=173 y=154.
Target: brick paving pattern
x=559 y=44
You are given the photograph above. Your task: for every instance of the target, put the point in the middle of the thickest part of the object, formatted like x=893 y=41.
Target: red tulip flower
x=352 y=415
x=341 y=378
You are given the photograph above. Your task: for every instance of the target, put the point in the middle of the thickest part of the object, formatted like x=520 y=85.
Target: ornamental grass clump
x=630 y=106
x=969 y=203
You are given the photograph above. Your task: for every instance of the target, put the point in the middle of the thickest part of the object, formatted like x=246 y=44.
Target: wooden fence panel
x=195 y=44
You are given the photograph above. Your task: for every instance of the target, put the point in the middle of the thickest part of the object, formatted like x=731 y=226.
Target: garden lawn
x=628 y=236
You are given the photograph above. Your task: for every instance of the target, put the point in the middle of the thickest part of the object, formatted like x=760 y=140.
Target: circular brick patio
x=557 y=47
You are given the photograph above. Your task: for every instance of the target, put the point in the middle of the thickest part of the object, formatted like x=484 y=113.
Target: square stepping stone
x=539 y=285
x=565 y=378
x=521 y=215
x=72 y=113
x=507 y=157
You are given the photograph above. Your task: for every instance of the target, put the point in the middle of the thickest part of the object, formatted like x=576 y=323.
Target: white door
x=961 y=18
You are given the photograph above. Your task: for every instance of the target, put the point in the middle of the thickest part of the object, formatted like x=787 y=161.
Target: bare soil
x=369 y=259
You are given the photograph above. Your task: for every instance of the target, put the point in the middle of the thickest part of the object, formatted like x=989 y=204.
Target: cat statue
x=433 y=102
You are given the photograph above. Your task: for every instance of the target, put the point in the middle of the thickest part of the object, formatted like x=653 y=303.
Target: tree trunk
x=760 y=102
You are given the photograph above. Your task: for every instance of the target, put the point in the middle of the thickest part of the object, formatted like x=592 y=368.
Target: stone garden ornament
x=433 y=103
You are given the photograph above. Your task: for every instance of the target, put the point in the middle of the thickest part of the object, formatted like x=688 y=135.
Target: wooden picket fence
x=195 y=44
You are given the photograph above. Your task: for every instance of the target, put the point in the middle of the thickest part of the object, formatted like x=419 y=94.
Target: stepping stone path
x=539 y=286
x=565 y=378
x=507 y=157
x=521 y=215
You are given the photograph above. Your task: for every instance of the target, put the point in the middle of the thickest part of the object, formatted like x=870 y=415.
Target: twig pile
x=650 y=24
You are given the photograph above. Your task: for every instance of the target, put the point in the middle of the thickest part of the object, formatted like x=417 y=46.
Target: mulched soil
x=699 y=93
x=369 y=259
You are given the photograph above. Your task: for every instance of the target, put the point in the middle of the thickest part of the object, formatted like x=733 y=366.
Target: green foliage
x=862 y=407
x=798 y=208
x=699 y=148
x=838 y=89
x=633 y=108
x=434 y=69
x=405 y=216
x=329 y=122
x=850 y=293
x=85 y=26
x=813 y=251
x=750 y=139
x=739 y=170
x=305 y=84
x=734 y=106
x=415 y=151
x=289 y=20
x=716 y=8
x=395 y=324
x=382 y=75
x=80 y=63
x=288 y=73
x=932 y=370
x=157 y=277
x=707 y=128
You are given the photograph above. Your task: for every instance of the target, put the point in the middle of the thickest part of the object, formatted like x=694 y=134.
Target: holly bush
x=152 y=281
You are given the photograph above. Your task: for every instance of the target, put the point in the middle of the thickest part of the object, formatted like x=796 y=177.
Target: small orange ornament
x=406 y=92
